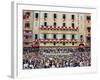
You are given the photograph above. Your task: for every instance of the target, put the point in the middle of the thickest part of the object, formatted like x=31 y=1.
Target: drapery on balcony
x=61 y=28
x=35 y=45
x=27 y=33
x=56 y=40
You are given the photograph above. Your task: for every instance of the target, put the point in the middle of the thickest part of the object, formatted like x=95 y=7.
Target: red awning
x=35 y=45
x=81 y=45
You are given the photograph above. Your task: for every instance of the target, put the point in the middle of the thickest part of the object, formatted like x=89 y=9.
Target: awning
x=81 y=45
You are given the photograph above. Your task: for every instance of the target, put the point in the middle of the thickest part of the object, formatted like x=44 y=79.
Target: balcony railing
x=27 y=33
x=61 y=28
x=28 y=40
x=35 y=45
x=27 y=45
x=56 y=40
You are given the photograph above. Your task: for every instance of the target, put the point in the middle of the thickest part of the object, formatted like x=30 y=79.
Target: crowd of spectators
x=65 y=57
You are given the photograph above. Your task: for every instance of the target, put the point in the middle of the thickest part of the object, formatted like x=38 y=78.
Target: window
x=36 y=15
x=54 y=36
x=63 y=16
x=54 y=43
x=44 y=43
x=45 y=15
x=81 y=18
x=64 y=24
x=72 y=43
x=36 y=36
x=88 y=17
x=45 y=23
x=88 y=39
x=88 y=28
x=73 y=36
x=55 y=15
x=73 y=17
x=27 y=24
x=26 y=37
x=72 y=25
x=45 y=36
x=27 y=13
x=26 y=43
x=64 y=36
x=54 y=24
x=81 y=37
x=63 y=43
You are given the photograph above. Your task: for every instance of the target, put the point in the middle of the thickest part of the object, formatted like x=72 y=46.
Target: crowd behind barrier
x=75 y=57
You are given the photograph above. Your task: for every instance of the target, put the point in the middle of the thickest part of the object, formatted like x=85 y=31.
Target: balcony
x=56 y=40
x=27 y=44
x=28 y=33
x=35 y=45
x=60 y=28
x=28 y=40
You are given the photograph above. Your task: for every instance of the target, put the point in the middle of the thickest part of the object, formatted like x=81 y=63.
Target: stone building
x=55 y=29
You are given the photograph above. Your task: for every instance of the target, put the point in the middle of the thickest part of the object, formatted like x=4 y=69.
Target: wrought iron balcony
x=28 y=33
x=56 y=40
x=61 y=28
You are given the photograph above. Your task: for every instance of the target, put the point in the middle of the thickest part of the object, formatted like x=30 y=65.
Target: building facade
x=56 y=29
